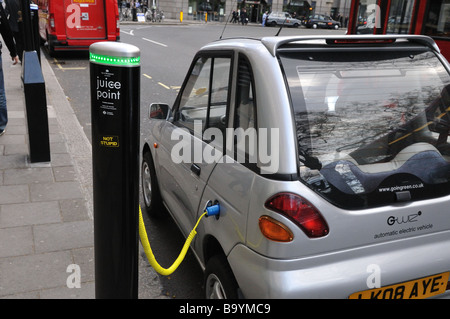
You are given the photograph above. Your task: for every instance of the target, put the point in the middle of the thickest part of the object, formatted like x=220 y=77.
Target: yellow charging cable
x=148 y=250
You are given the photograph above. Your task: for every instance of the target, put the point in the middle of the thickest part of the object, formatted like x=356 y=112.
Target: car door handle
x=195 y=169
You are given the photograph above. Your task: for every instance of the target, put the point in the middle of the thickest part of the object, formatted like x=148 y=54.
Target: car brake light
x=301 y=212
x=275 y=230
x=52 y=22
x=360 y=41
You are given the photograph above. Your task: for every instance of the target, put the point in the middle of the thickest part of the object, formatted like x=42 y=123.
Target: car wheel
x=295 y=25
x=51 y=47
x=314 y=26
x=219 y=279
x=336 y=26
x=273 y=24
x=150 y=187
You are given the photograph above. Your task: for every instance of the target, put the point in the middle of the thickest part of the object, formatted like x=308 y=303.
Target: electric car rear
x=328 y=157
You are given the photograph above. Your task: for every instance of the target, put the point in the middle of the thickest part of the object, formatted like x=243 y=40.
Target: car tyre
x=150 y=187
x=219 y=280
x=50 y=47
x=336 y=26
x=314 y=26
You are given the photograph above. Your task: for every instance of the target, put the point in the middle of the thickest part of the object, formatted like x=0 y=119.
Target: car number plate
x=415 y=289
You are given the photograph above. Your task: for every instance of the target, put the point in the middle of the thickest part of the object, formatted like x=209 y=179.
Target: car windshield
x=372 y=127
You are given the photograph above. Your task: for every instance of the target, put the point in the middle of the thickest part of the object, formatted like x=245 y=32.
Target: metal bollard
x=35 y=96
x=36 y=108
x=115 y=100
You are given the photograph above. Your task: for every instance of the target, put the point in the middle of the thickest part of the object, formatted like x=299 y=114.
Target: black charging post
x=115 y=100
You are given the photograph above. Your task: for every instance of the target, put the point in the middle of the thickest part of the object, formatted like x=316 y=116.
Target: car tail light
x=275 y=230
x=52 y=22
x=301 y=212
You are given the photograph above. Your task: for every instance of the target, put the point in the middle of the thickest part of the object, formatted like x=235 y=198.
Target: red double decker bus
x=426 y=17
x=68 y=25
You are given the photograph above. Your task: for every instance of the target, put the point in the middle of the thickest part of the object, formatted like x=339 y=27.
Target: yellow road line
x=64 y=69
x=164 y=86
x=172 y=87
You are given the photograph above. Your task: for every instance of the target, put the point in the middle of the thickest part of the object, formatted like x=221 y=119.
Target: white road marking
x=158 y=43
x=129 y=33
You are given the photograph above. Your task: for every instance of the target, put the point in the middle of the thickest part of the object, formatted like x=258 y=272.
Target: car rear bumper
x=74 y=44
x=339 y=274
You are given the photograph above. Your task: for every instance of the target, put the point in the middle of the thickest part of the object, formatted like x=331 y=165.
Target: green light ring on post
x=114 y=54
x=114 y=60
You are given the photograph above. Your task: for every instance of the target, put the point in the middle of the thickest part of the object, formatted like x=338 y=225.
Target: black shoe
x=2 y=132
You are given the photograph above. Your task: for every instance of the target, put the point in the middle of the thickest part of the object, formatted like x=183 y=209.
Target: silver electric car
x=328 y=158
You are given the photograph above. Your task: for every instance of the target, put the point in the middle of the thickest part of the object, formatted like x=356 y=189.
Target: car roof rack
x=273 y=43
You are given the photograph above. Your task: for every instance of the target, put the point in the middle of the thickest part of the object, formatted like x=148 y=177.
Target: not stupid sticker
x=109 y=141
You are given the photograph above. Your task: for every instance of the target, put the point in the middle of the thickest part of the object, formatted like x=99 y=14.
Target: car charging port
x=212 y=209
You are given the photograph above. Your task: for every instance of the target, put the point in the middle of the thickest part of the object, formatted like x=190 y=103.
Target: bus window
x=368 y=17
x=437 y=22
x=399 y=20
x=426 y=17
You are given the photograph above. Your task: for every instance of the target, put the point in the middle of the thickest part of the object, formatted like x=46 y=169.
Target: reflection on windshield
x=366 y=125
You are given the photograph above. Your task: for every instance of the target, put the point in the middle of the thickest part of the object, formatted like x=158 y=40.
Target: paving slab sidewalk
x=46 y=214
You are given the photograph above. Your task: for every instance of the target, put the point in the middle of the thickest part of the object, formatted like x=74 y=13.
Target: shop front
x=254 y=8
x=212 y=10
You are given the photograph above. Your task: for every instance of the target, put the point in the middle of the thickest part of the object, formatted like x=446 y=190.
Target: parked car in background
x=331 y=166
x=322 y=21
x=282 y=18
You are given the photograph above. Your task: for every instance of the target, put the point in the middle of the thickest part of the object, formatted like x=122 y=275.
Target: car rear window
x=372 y=127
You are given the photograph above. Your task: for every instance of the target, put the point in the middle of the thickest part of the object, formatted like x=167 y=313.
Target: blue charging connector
x=213 y=210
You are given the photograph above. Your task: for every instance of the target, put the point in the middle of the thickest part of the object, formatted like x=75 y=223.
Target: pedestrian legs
x=3 y=111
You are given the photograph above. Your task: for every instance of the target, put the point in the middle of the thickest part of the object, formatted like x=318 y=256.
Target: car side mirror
x=159 y=111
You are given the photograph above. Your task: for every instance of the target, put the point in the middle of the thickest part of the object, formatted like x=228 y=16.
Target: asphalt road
x=166 y=54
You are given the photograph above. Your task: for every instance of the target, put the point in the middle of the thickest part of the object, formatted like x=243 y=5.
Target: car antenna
x=281 y=26
x=230 y=17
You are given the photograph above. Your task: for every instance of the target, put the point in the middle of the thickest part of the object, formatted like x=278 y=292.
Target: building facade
x=220 y=10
